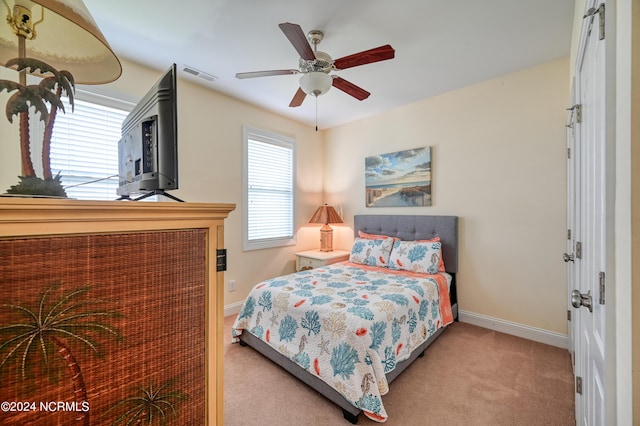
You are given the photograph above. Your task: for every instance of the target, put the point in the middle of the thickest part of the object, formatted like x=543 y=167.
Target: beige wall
x=498 y=162
x=210 y=165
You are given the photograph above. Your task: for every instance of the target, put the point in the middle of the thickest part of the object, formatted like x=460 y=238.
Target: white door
x=589 y=209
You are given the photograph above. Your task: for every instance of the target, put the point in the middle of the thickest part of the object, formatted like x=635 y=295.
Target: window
x=84 y=147
x=269 y=189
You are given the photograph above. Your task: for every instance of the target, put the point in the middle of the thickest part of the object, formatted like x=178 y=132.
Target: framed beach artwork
x=399 y=179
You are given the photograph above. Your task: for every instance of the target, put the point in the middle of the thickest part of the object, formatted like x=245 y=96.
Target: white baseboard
x=515 y=329
x=233 y=308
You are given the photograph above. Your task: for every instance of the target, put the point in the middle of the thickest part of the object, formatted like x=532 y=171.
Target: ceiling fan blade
x=350 y=88
x=377 y=54
x=254 y=74
x=298 y=98
x=299 y=40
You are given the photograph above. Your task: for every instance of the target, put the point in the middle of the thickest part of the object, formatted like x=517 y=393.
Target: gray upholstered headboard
x=414 y=227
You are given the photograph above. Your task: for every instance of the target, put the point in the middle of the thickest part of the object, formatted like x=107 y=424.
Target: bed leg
x=243 y=343
x=421 y=355
x=352 y=418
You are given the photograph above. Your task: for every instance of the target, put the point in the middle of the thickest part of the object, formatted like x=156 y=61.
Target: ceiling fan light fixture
x=316 y=83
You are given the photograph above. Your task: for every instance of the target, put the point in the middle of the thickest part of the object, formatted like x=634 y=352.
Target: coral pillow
x=415 y=256
x=371 y=252
x=375 y=236
x=441 y=264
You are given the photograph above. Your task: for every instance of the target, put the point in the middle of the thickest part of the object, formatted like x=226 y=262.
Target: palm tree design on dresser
x=71 y=321
x=153 y=405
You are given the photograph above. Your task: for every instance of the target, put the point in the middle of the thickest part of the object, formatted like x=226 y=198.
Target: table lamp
x=59 y=41
x=326 y=215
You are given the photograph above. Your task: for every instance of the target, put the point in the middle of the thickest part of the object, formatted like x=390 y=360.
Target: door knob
x=568 y=257
x=578 y=299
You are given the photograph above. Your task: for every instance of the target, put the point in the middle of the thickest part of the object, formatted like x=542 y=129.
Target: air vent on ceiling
x=198 y=73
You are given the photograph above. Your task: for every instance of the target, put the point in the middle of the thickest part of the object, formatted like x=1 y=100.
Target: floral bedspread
x=347 y=324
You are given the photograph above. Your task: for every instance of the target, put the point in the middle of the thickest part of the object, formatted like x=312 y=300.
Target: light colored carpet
x=469 y=376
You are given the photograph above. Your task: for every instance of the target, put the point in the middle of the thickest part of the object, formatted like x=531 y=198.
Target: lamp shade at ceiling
x=325 y=214
x=66 y=38
x=316 y=83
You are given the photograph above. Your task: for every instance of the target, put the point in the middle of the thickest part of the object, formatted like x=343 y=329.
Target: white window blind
x=84 y=149
x=269 y=189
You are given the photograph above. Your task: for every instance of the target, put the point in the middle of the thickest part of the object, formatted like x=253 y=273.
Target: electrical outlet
x=232 y=285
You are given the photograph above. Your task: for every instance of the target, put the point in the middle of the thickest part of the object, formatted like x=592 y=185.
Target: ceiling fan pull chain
x=316 y=113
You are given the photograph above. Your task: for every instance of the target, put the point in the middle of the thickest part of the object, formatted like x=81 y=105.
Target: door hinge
x=569 y=153
x=221 y=260
x=577 y=108
x=568 y=234
x=579 y=385
x=599 y=10
x=578 y=250
x=568 y=315
x=601 y=280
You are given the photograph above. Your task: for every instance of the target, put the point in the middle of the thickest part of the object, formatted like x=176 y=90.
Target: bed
x=349 y=329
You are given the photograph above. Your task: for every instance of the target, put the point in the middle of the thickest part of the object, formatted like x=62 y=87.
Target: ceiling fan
x=316 y=65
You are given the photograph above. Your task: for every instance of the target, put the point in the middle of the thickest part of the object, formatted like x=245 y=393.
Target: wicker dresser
x=129 y=299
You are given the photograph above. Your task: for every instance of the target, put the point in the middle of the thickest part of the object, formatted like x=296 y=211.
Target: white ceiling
x=441 y=45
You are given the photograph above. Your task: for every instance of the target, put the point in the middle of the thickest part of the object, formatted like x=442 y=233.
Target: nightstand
x=316 y=258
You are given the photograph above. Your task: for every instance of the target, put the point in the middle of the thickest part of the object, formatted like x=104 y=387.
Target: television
x=148 y=148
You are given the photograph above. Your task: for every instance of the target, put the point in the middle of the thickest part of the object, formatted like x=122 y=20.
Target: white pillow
x=415 y=256
x=371 y=252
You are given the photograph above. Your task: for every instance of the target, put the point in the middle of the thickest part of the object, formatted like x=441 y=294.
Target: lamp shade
x=65 y=37
x=325 y=214
x=316 y=83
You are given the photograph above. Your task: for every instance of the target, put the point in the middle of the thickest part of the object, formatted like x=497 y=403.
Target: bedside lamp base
x=326 y=238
